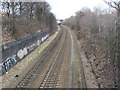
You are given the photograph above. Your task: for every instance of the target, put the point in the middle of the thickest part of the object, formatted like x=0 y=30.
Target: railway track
x=53 y=66
x=29 y=78
x=52 y=77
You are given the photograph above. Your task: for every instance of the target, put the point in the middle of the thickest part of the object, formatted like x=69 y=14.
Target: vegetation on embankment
x=98 y=32
x=20 y=19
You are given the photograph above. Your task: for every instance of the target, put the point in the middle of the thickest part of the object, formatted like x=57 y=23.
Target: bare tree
x=19 y=13
x=96 y=30
x=116 y=5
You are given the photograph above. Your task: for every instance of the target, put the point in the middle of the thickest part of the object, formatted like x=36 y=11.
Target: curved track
x=53 y=66
x=33 y=72
x=51 y=58
x=52 y=77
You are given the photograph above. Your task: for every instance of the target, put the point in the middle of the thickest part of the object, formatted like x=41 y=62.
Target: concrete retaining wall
x=17 y=50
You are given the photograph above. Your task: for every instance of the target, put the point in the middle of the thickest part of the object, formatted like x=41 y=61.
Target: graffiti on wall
x=8 y=63
x=22 y=52
x=45 y=37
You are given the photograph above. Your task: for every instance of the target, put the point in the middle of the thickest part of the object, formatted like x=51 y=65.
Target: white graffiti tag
x=21 y=53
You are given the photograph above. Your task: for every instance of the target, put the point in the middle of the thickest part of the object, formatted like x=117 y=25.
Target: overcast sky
x=66 y=8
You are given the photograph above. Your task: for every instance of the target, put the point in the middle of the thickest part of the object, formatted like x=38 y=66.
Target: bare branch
x=113 y=4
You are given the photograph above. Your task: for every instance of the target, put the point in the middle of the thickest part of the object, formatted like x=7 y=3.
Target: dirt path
x=73 y=58
x=72 y=65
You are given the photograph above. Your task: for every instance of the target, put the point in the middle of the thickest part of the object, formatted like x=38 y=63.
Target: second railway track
x=52 y=77
x=54 y=67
